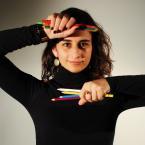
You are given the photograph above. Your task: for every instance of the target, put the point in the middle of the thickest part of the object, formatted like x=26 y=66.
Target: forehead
x=80 y=35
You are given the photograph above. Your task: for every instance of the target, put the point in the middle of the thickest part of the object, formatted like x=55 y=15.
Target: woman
x=84 y=62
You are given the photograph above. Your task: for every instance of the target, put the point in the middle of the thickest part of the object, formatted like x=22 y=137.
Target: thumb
x=81 y=102
x=69 y=31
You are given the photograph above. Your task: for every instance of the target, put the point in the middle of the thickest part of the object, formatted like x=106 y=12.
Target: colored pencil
x=72 y=94
x=64 y=99
x=69 y=90
x=77 y=92
x=47 y=23
x=69 y=96
x=85 y=25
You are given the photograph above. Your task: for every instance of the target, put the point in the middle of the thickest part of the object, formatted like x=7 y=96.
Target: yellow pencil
x=67 y=92
x=77 y=92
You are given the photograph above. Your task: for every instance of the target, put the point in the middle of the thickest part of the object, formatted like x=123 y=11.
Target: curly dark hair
x=100 y=64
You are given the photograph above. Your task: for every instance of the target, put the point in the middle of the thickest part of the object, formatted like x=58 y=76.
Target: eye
x=84 y=44
x=66 y=44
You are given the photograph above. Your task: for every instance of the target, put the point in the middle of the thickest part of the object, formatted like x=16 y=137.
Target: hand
x=61 y=26
x=94 y=91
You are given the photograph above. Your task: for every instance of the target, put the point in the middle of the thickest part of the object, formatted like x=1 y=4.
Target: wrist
x=38 y=31
x=42 y=34
x=104 y=84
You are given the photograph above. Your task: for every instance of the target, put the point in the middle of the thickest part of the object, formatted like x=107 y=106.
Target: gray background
x=123 y=20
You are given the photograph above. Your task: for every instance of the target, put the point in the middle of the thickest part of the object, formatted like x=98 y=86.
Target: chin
x=75 y=70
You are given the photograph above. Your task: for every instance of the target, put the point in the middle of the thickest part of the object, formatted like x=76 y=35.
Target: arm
x=94 y=91
x=14 y=39
x=15 y=82
x=128 y=85
x=131 y=85
x=12 y=80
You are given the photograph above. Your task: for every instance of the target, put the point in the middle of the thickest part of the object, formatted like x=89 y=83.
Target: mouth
x=76 y=62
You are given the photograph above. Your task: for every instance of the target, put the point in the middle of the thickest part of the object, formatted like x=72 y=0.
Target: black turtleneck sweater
x=65 y=122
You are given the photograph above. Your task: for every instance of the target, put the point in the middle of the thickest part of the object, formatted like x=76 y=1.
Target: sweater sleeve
x=15 y=82
x=14 y=39
x=132 y=85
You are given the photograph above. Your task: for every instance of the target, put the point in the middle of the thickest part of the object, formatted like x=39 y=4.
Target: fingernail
x=65 y=28
x=88 y=92
x=80 y=103
x=58 y=31
x=54 y=32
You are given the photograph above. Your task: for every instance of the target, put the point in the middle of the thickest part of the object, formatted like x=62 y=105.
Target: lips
x=76 y=62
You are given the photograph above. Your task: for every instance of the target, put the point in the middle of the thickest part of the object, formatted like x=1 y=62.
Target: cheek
x=62 y=55
x=89 y=53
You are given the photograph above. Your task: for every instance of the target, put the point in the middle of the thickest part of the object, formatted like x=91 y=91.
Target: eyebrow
x=83 y=40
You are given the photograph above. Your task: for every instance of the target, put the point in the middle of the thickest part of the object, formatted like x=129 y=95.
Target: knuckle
x=100 y=97
x=87 y=83
x=99 y=88
x=84 y=86
x=66 y=16
x=55 y=15
x=94 y=99
x=59 y=16
x=73 y=19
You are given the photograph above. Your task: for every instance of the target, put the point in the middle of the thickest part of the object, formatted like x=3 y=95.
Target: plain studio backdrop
x=123 y=20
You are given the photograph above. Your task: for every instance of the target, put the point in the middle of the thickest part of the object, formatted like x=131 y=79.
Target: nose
x=76 y=52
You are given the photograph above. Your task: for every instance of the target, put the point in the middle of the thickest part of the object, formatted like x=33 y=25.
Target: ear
x=54 y=51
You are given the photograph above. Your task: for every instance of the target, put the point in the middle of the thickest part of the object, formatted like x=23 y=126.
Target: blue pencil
x=69 y=96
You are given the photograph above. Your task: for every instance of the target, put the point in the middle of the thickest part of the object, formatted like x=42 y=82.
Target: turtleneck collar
x=66 y=79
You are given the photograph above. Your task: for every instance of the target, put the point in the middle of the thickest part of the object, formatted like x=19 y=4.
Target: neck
x=66 y=79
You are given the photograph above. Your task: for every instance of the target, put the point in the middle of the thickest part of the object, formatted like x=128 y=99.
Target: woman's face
x=74 y=52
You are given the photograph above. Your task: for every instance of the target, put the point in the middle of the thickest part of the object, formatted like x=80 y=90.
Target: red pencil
x=88 y=26
x=46 y=22
x=65 y=99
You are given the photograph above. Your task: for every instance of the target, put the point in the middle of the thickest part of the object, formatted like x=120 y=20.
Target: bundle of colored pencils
x=46 y=24
x=72 y=94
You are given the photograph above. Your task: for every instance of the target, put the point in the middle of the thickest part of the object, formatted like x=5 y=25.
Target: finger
x=82 y=102
x=47 y=31
x=71 y=22
x=65 y=33
x=88 y=96
x=82 y=97
x=63 y=23
x=57 y=22
x=100 y=94
x=52 y=18
x=70 y=31
x=94 y=95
